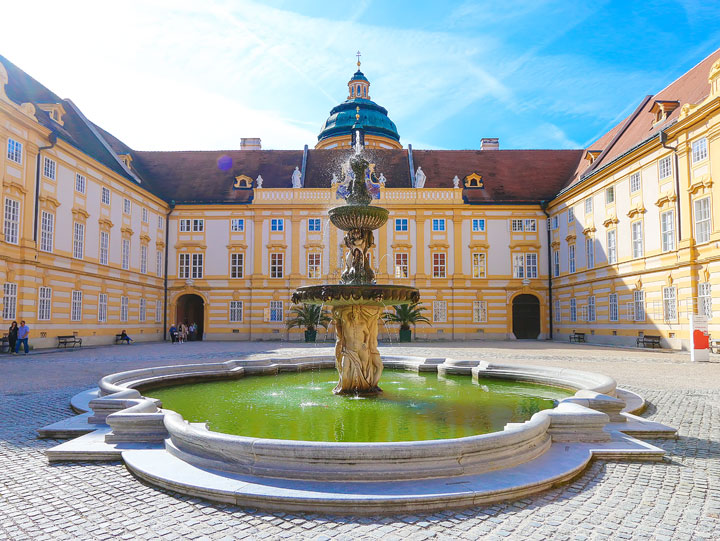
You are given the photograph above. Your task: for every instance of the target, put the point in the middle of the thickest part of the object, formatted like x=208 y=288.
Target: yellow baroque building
x=614 y=241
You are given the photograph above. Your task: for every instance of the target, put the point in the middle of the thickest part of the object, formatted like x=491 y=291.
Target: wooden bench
x=119 y=338
x=715 y=346
x=648 y=341
x=577 y=337
x=70 y=340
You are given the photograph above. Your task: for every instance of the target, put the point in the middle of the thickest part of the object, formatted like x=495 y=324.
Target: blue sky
x=179 y=74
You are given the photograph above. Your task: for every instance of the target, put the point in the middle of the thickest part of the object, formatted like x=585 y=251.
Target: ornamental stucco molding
x=636 y=211
x=704 y=182
x=666 y=199
x=610 y=221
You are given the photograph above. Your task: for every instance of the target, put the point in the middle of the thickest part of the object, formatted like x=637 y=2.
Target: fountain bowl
x=348 y=217
x=348 y=294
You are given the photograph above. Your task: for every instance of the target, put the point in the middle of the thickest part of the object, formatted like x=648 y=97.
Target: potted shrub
x=309 y=316
x=406 y=315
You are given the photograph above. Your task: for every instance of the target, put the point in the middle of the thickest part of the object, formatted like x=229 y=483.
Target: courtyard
x=675 y=499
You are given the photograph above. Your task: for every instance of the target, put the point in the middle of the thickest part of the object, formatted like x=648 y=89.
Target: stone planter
x=405 y=335
x=310 y=336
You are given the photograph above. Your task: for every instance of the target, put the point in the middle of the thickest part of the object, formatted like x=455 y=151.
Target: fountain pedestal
x=357 y=358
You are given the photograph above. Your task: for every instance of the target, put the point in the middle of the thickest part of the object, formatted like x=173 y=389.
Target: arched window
x=358 y=90
x=352 y=91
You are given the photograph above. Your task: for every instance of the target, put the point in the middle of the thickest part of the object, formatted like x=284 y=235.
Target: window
x=158 y=310
x=588 y=205
x=198 y=225
x=639 y=305
x=699 y=150
x=161 y=222
x=517 y=225
x=478 y=265
x=573 y=310
x=313 y=265
x=123 y=309
x=47 y=229
x=237 y=265
x=667 y=230
x=44 y=303
x=126 y=254
x=531 y=266
x=314 y=224
x=637 y=240
x=102 y=307
x=555 y=222
x=401 y=224
x=9 y=300
x=479 y=311
x=276 y=310
x=104 y=247
x=635 y=182
x=185 y=225
x=438 y=224
x=571 y=258
x=478 y=225
x=613 y=308
x=610 y=195
x=236 y=311
x=127 y=206
x=702 y=220
x=590 y=252
x=49 y=168
x=556 y=263
x=277 y=224
x=14 y=150
x=237 y=225
x=79 y=183
x=145 y=216
x=571 y=215
x=76 y=306
x=557 y=313
x=184 y=266
x=197 y=266
x=705 y=299
x=143 y=259
x=591 y=308
x=143 y=310
x=402 y=269
x=612 y=246
x=439 y=311
x=277 y=265
x=105 y=197
x=438 y=265
x=518 y=266
x=524 y=265
x=669 y=304
x=12 y=220
x=158 y=263
x=530 y=225
x=78 y=240
x=664 y=168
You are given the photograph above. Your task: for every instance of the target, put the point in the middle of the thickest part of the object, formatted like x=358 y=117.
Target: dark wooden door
x=526 y=316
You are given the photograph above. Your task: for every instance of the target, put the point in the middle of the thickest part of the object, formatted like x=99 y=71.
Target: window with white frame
x=531 y=266
x=613 y=307
x=571 y=258
x=667 y=230
x=438 y=224
x=184 y=266
x=277 y=224
x=571 y=214
x=145 y=216
x=612 y=246
x=699 y=150
x=104 y=247
x=590 y=252
x=401 y=224
x=402 y=269
x=143 y=259
x=438 y=260
x=9 y=300
x=102 y=307
x=158 y=263
x=143 y=310
x=591 y=308
x=478 y=225
x=556 y=263
x=573 y=310
x=635 y=182
x=314 y=224
x=80 y=183
x=639 y=305
x=105 y=197
x=185 y=225
x=123 y=309
x=664 y=167
x=44 y=303
x=198 y=225
x=669 y=304
x=637 y=239
x=125 y=255
x=588 y=205
x=555 y=223
x=237 y=225
x=530 y=225
x=479 y=311
x=236 y=311
x=127 y=206
x=702 y=220
x=237 y=265
x=610 y=195
x=49 y=166
x=313 y=265
x=76 y=306
x=78 y=240
x=277 y=265
x=516 y=225
x=478 y=265
x=525 y=265
x=518 y=265
x=276 y=310
x=161 y=222
x=556 y=312
x=14 y=150
x=705 y=299
x=158 y=310
x=439 y=311
x=12 y=221
x=47 y=231
x=197 y=266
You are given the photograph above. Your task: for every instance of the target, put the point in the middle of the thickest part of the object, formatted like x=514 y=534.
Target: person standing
x=23 y=335
x=173 y=333
x=12 y=336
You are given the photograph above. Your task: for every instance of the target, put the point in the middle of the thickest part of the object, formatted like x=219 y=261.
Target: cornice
x=636 y=211
x=703 y=182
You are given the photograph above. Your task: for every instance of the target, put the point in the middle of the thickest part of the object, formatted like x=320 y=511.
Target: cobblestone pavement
x=676 y=499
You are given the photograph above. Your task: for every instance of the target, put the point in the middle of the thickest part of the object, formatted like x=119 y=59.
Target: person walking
x=23 y=335
x=183 y=333
x=12 y=336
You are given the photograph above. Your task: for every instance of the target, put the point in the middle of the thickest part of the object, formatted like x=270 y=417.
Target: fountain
x=357 y=301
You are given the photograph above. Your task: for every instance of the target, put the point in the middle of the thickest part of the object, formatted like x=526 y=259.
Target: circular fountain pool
x=413 y=406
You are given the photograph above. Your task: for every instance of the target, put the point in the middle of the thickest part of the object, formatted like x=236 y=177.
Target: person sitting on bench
x=124 y=337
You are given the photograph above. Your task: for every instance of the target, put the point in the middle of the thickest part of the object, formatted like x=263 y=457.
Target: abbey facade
x=615 y=241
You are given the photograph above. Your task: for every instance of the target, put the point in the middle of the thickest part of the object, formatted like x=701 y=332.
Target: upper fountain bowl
x=348 y=217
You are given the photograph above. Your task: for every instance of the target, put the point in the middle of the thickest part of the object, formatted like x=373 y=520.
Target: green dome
x=373 y=120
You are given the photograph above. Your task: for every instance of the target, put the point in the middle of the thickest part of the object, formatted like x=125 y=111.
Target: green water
x=301 y=406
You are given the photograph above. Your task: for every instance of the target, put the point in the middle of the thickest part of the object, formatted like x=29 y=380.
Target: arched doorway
x=526 y=316
x=191 y=309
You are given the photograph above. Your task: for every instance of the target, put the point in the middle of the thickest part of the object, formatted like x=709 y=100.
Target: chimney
x=250 y=143
x=489 y=143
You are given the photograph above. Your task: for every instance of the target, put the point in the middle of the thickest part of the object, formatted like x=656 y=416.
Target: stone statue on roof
x=382 y=180
x=456 y=182
x=420 y=178
x=334 y=180
x=297 y=178
x=258 y=182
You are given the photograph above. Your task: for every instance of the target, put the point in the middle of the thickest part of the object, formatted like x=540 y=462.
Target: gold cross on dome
x=358 y=57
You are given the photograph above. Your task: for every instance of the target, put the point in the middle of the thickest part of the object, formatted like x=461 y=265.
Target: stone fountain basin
x=348 y=294
x=347 y=217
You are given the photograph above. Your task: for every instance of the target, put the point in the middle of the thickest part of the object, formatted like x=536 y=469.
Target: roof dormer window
x=126 y=159
x=662 y=109
x=591 y=155
x=54 y=110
